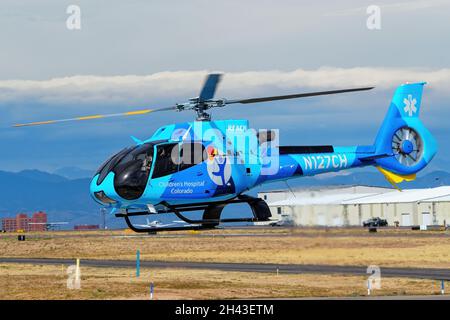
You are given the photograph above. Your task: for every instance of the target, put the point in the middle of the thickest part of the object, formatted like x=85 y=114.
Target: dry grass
x=49 y=282
x=400 y=248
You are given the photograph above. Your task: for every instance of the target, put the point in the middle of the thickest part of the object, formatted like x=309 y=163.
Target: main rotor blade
x=92 y=117
x=294 y=96
x=210 y=86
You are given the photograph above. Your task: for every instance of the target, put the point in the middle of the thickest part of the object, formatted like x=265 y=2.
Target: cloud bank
x=164 y=86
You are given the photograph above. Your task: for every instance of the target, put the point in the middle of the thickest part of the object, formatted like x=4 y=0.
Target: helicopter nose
x=104 y=193
x=124 y=176
x=103 y=198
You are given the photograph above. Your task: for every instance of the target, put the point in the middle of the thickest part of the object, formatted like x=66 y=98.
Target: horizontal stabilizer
x=374 y=157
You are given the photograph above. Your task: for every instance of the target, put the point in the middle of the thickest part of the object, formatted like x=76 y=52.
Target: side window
x=165 y=165
x=191 y=154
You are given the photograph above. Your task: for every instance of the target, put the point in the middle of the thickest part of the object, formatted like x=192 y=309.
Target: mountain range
x=68 y=199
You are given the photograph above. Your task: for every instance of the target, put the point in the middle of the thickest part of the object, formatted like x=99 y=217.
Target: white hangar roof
x=394 y=196
x=404 y=196
x=438 y=199
x=302 y=200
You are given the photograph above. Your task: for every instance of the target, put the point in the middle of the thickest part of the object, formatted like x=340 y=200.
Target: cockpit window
x=192 y=154
x=142 y=154
x=167 y=159
x=132 y=171
x=172 y=157
x=108 y=165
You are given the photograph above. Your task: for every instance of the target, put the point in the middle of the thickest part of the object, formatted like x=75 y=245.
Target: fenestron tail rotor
x=407 y=146
x=200 y=104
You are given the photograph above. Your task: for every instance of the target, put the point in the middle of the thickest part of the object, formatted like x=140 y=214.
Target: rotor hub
x=407 y=147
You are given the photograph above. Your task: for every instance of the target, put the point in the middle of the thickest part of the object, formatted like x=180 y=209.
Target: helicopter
x=206 y=165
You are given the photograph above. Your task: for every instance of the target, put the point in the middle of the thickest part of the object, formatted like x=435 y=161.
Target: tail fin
x=403 y=136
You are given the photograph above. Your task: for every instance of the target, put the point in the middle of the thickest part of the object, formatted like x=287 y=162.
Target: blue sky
x=138 y=54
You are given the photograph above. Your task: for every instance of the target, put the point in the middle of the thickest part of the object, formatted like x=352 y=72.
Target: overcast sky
x=138 y=53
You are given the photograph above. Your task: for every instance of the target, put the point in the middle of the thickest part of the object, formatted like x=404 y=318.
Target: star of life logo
x=410 y=105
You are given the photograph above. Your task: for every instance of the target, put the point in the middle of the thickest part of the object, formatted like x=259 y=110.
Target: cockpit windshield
x=109 y=164
x=132 y=171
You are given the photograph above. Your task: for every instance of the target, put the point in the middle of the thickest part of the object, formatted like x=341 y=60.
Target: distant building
x=86 y=227
x=37 y=222
x=9 y=224
x=350 y=206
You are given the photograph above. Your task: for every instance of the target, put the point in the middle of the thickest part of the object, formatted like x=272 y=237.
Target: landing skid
x=211 y=214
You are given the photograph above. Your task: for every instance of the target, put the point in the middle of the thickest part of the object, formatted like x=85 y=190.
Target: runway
x=419 y=273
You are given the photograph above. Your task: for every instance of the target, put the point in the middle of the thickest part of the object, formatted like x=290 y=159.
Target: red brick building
x=37 y=222
x=9 y=224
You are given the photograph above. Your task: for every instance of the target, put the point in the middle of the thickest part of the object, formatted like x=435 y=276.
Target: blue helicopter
x=206 y=165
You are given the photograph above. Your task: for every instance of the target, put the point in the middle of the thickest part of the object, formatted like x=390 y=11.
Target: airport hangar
x=350 y=206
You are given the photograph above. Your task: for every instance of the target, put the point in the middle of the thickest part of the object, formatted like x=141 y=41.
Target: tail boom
x=403 y=146
x=310 y=164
